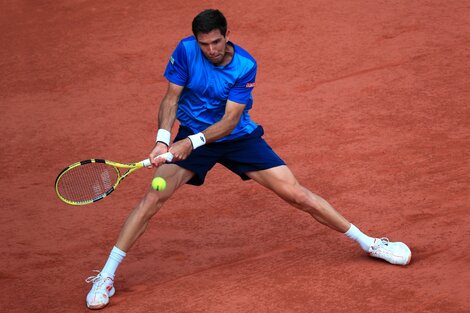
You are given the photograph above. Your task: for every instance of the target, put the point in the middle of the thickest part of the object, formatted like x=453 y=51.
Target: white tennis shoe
x=100 y=292
x=392 y=252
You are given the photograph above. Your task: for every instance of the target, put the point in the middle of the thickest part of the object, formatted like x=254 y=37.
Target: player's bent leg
x=134 y=227
x=150 y=204
x=281 y=180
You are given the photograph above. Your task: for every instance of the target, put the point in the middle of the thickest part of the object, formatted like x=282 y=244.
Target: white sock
x=362 y=239
x=115 y=258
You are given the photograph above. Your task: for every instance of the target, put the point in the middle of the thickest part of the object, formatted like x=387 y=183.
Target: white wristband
x=163 y=136
x=197 y=140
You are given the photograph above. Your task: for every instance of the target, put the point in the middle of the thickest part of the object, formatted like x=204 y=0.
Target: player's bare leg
x=134 y=227
x=281 y=180
x=150 y=204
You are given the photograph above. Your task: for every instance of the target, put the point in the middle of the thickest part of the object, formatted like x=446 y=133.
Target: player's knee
x=296 y=196
x=150 y=205
x=302 y=199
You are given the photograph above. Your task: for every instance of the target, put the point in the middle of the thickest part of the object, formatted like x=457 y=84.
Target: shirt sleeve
x=241 y=90
x=177 y=68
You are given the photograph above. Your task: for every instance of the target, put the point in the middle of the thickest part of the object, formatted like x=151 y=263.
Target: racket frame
x=116 y=165
x=131 y=167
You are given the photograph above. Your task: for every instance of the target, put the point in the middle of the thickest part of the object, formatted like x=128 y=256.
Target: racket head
x=87 y=181
x=91 y=180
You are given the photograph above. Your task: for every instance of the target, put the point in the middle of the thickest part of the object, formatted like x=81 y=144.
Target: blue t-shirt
x=207 y=87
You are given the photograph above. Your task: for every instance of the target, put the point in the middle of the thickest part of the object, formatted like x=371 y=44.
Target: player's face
x=214 y=46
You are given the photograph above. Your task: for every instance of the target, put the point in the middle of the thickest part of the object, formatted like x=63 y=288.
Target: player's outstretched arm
x=166 y=119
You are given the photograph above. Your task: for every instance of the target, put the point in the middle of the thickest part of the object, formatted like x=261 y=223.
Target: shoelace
x=95 y=279
x=382 y=241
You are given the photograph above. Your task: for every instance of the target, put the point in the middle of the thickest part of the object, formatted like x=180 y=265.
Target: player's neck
x=229 y=50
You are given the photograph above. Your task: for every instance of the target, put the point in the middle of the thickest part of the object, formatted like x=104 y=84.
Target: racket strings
x=87 y=182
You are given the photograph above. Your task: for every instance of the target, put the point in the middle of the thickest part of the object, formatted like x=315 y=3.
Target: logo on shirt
x=172 y=60
x=250 y=85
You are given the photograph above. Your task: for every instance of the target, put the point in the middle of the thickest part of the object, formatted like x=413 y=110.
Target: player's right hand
x=159 y=149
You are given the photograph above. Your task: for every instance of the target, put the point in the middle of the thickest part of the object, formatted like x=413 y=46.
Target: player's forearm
x=167 y=117
x=167 y=113
x=169 y=106
x=220 y=129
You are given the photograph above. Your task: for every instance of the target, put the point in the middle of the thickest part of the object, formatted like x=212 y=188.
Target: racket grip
x=146 y=163
x=167 y=156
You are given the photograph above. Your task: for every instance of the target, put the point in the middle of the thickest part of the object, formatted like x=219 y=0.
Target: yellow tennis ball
x=158 y=183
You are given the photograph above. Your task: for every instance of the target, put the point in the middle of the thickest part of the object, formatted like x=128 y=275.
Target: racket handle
x=167 y=156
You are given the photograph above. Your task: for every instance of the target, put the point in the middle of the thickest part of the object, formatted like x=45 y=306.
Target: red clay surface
x=367 y=101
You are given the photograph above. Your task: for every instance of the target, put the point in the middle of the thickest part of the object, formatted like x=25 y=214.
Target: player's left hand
x=181 y=149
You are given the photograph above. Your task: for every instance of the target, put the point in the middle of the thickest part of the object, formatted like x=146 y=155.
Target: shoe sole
x=97 y=307
x=409 y=260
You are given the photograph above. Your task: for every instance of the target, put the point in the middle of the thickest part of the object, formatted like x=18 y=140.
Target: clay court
x=367 y=102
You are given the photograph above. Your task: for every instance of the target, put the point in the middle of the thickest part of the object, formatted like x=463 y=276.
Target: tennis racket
x=91 y=180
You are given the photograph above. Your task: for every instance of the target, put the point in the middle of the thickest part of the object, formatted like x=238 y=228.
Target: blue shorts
x=245 y=154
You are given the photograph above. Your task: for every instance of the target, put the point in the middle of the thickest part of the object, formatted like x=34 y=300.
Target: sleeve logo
x=250 y=85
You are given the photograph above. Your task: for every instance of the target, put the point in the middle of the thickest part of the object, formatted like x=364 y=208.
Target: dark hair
x=208 y=20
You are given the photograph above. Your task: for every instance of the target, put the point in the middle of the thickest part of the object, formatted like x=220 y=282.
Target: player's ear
x=227 y=34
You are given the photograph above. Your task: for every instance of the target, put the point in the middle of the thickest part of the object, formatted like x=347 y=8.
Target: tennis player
x=210 y=93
